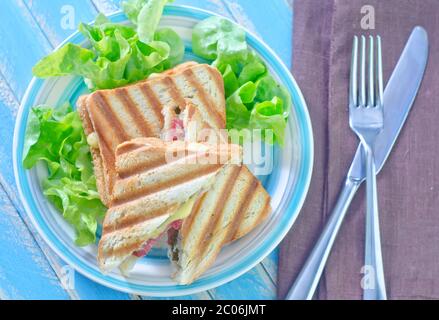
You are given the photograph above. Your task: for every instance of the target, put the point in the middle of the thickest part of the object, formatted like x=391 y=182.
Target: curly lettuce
x=145 y=14
x=56 y=137
x=119 y=54
x=254 y=99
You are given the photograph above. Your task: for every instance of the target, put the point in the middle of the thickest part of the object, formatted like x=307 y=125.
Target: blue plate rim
x=288 y=219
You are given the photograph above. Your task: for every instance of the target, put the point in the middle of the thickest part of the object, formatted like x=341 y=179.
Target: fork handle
x=373 y=283
x=308 y=279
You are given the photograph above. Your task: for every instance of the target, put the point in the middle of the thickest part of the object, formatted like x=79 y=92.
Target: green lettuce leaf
x=68 y=60
x=119 y=55
x=132 y=9
x=254 y=99
x=269 y=115
x=252 y=69
x=231 y=82
x=269 y=88
x=238 y=115
x=145 y=14
x=113 y=68
x=219 y=39
x=175 y=43
x=149 y=18
x=243 y=113
x=56 y=137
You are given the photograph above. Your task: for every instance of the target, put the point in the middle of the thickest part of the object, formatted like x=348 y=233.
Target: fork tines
x=359 y=96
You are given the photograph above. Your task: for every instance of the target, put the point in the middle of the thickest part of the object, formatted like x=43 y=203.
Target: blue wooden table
x=29 y=29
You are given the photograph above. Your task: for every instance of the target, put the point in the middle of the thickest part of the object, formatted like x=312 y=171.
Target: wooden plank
x=21 y=255
x=23 y=44
x=270 y=265
x=254 y=285
x=58 y=19
x=201 y=296
x=21 y=260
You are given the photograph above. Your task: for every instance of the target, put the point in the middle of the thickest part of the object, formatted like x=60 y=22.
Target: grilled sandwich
x=157 y=184
x=111 y=117
x=177 y=105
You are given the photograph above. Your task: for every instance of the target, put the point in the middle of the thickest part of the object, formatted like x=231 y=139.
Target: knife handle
x=373 y=256
x=308 y=279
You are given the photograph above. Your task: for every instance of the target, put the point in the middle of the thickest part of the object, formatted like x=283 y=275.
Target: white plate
x=288 y=184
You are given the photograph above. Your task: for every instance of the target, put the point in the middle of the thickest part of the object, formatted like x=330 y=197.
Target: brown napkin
x=408 y=186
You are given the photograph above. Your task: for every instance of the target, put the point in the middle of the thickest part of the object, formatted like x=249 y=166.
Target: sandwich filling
x=173 y=224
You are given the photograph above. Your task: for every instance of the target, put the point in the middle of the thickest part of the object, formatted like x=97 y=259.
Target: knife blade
x=399 y=95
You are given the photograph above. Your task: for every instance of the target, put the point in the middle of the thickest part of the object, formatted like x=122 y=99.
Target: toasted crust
x=235 y=205
x=134 y=111
x=98 y=166
x=148 y=192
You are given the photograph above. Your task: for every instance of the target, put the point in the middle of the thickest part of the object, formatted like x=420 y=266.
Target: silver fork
x=366 y=118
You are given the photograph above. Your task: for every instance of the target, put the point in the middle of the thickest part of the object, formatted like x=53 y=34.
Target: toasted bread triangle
x=119 y=115
x=156 y=178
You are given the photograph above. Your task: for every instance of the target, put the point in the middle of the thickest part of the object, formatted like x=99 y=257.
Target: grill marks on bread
x=140 y=185
x=208 y=105
x=134 y=111
x=235 y=205
x=140 y=200
x=150 y=189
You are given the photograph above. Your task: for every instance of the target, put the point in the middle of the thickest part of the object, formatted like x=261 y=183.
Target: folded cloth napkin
x=408 y=186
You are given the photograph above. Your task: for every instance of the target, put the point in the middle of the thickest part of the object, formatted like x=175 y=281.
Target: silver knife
x=399 y=95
